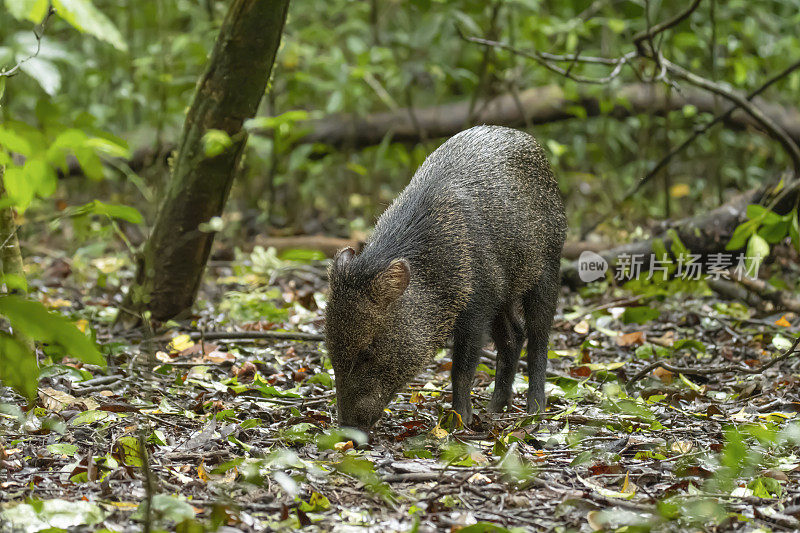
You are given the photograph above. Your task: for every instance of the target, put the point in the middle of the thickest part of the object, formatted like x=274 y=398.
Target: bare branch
x=649 y=33
x=774 y=129
x=546 y=60
x=39 y=33
x=793 y=350
x=667 y=66
x=700 y=131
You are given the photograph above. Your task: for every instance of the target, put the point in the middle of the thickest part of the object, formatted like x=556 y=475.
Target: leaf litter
x=242 y=433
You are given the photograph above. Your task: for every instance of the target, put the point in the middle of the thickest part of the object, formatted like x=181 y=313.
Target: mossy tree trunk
x=10 y=254
x=171 y=265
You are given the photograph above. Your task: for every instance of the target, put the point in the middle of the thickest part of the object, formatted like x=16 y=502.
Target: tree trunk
x=10 y=254
x=171 y=265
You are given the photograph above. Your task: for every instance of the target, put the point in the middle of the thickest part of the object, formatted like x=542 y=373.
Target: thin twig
x=776 y=130
x=649 y=33
x=149 y=485
x=39 y=34
x=546 y=60
x=681 y=147
x=715 y=370
x=700 y=131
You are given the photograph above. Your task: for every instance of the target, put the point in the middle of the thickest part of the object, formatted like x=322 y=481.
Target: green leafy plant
x=31 y=320
x=762 y=228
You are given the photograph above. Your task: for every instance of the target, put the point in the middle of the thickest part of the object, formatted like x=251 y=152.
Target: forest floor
x=241 y=434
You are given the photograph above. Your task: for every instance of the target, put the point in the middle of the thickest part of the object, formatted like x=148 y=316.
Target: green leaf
x=109 y=147
x=794 y=230
x=14 y=141
x=216 y=142
x=45 y=73
x=639 y=315
x=123 y=212
x=129 y=451
x=315 y=504
x=228 y=465
x=689 y=344
x=616 y=25
x=740 y=235
x=364 y=470
x=41 y=176
x=18 y=188
x=89 y=417
x=89 y=161
x=765 y=487
x=14 y=282
x=62 y=448
x=86 y=18
x=775 y=232
x=32 y=10
x=58 y=515
x=323 y=378
x=18 y=368
x=757 y=250
x=34 y=321
x=169 y=507
x=678 y=248
x=269 y=391
x=689 y=111
x=301 y=255
x=759 y=212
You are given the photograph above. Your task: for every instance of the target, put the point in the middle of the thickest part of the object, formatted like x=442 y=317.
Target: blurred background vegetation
x=130 y=77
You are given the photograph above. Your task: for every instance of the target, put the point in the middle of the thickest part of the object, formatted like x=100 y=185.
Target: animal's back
x=488 y=197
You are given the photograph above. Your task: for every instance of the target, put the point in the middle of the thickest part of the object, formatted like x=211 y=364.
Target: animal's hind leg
x=508 y=337
x=539 y=306
x=467 y=339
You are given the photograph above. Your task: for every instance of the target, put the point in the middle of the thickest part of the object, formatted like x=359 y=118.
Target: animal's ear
x=342 y=258
x=390 y=284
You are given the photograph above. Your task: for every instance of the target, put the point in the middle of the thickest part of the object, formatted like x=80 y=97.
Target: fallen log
x=703 y=234
x=539 y=105
x=327 y=245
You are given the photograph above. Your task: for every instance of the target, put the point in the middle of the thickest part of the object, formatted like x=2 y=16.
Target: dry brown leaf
x=635 y=338
x=219 y=357
x=55 y=400
x=775 y=474
x=664 y=375
x=666 y=340
x=343 y=446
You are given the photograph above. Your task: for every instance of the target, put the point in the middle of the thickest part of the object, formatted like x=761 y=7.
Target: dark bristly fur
x=475 y=236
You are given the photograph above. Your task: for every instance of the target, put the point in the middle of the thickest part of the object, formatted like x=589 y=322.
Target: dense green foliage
x=669 y=409
x=362 y=57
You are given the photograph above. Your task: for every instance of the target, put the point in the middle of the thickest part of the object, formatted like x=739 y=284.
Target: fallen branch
x=767 y=292
x=327 y=245
x=330 y=245
x=716 y=370
x=236 y=335
x=649 y=33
